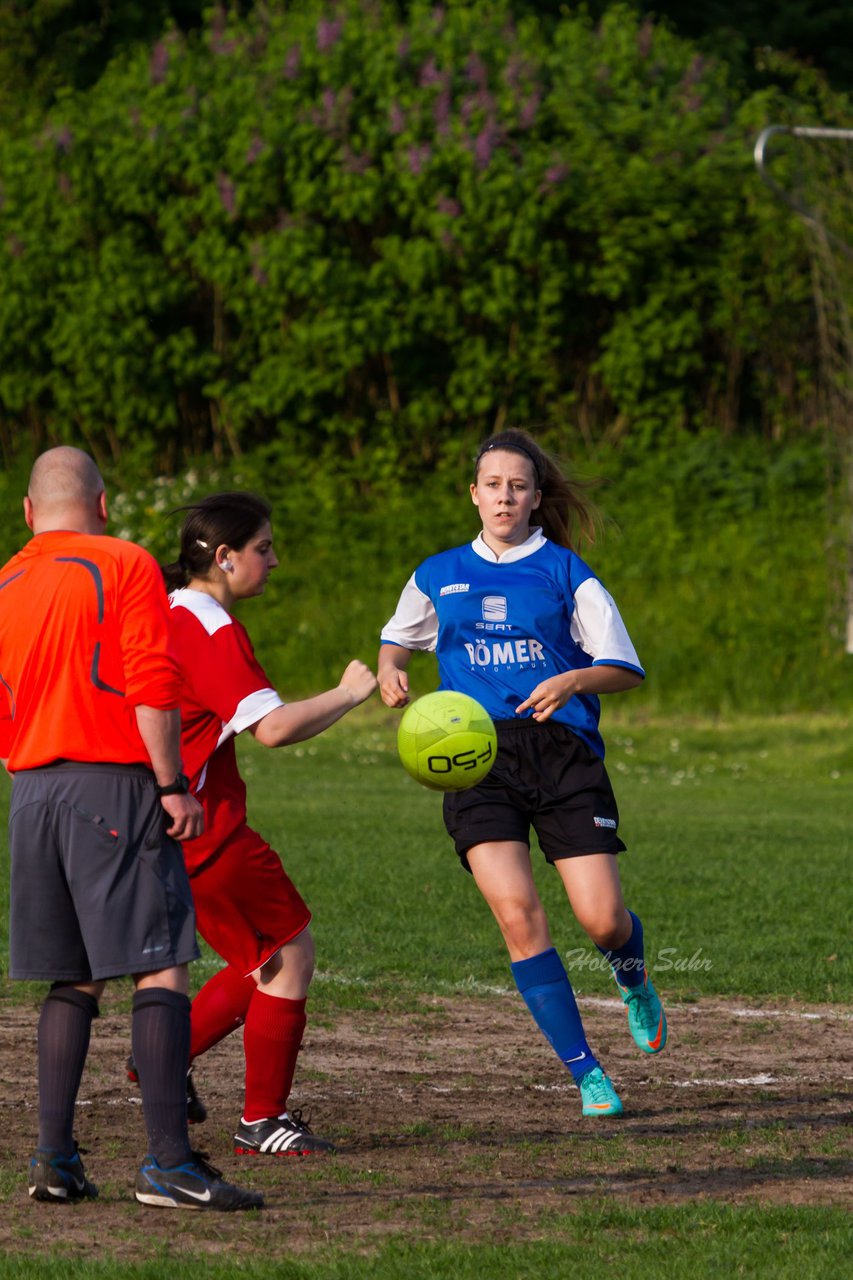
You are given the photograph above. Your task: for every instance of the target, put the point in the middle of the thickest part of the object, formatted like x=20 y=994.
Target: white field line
x=598 y=1002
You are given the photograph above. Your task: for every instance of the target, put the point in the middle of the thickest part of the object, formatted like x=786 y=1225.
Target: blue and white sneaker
x=192 y=1185
x=58 y=1178
x=646 y=1017
x=598 y=1095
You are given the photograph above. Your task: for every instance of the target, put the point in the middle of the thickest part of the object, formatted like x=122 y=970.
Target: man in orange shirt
x=89 y=729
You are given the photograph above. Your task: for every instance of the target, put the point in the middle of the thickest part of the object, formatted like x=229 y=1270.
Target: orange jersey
x=84 y=640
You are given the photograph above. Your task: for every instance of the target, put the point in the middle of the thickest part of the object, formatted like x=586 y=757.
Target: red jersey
x=225 y=690
x=84 y=640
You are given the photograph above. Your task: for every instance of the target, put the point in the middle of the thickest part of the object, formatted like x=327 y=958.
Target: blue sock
x=547 y=992
x=627 y=961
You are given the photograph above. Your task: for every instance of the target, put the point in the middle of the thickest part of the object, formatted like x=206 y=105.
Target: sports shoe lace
x=643 y=1008
x=596 y=1084
x=298 y=1121
x=209 y=1170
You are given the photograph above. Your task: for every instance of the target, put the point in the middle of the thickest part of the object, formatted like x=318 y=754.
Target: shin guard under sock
x=271 y=1041
x=544 y=984
x=160 y=1042
x=64 y=1030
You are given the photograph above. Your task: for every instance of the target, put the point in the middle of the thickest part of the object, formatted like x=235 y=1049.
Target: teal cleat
x=646 y=1017
x=598 y=1095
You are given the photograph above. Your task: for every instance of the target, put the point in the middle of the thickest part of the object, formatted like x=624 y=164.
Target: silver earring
x=227 y=566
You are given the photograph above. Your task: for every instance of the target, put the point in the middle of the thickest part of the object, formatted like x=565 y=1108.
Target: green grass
x=739 y=850
x=739 y=838
x=704 y=1242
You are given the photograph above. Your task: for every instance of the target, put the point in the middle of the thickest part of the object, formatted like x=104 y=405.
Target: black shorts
x=98 y=890
x=546 y=777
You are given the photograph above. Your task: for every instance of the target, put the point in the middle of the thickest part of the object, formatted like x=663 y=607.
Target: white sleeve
x=252 y=709
x=599 y=630
x=415 y=623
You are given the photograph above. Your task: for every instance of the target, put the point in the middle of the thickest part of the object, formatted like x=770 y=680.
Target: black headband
x=519 y=448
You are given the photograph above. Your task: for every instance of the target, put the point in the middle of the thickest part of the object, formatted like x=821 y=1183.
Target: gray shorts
x=98 y=890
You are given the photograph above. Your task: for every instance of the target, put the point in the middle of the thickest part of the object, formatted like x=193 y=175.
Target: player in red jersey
x=247 y=908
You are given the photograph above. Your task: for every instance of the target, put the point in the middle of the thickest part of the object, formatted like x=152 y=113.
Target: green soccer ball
x=446 y=741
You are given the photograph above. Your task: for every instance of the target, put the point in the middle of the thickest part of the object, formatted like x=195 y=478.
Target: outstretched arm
x=296 y=721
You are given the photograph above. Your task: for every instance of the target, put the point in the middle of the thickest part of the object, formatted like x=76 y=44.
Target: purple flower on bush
x=438 y=15
x=258 y=274
x=556 y=174
x=159 y=64
x=256 y=147
x=448 y=206
x=442 y=113
x=292 y=61
x=396 y=118
x=484 y=144
x=328 y=34
x=64 y=184
x=418 y=157
x=63 y=139
x=430 y=74
x=227 y=193
x=529 y=110
x=403 y=48
x=482 y=100
x=476 y=71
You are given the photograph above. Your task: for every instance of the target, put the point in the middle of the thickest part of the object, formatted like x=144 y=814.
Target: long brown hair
x=565 y=513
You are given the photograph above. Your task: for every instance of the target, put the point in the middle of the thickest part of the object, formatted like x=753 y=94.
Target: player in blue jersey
x=519 y=622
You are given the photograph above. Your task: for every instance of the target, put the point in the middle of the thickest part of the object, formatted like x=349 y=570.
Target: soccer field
x=462 y=1149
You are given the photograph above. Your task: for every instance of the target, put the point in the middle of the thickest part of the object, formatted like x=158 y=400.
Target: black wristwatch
x=180 y=787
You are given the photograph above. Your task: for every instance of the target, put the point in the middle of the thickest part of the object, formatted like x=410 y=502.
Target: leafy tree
x=367 y=239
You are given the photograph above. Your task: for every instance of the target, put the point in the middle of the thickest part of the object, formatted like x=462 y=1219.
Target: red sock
x=271 y=1041
x=219 y=1008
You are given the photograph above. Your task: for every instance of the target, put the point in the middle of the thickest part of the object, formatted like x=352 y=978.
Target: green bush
x=361 y=236
x=717 y=559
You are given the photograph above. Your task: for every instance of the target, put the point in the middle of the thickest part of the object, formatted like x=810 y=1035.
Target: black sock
x=160 y=1041
x=64 y=1027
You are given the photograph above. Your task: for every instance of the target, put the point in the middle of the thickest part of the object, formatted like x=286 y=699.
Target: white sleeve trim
x=598 y=628
x=415 y=623
x=250 y=710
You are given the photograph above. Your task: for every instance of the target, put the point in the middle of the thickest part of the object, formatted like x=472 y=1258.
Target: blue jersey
x=501 y=625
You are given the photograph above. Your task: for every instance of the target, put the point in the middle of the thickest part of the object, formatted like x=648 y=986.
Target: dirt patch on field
x=457 y=1121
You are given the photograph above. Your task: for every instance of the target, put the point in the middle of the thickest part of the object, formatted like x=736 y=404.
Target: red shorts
x=246 y=906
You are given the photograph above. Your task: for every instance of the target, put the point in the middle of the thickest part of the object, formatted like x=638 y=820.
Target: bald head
x=65 y=492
